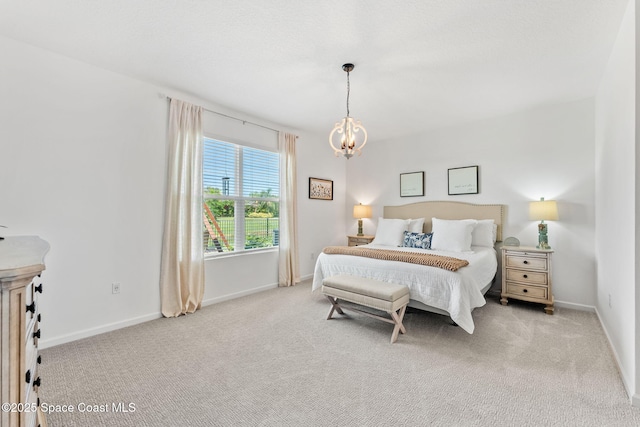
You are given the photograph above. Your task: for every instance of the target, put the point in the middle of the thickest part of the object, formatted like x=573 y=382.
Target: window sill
x=246 y=252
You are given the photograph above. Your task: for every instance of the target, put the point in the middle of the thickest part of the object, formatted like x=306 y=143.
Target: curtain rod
x=234 y=118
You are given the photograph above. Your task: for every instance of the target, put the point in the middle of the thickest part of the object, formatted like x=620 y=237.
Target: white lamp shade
x=543 y=210
x=361 y=211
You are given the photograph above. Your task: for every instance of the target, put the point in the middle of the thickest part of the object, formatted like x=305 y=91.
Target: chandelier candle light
x=541 y=211
x=361 y=211
x=346 y=131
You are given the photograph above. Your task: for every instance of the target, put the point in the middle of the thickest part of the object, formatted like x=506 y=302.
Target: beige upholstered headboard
x=447 y=210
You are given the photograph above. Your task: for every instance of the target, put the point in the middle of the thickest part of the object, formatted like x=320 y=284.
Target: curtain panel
x=288 y=264
x=182 y=266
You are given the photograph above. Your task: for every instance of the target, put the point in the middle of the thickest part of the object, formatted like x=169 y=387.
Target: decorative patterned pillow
x=417 y=240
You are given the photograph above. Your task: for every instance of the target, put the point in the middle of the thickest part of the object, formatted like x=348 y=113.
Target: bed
x=452 y=293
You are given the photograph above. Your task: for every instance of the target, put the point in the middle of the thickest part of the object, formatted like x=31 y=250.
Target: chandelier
x=345 y=133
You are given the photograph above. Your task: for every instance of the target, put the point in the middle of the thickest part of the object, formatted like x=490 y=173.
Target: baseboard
x=634 y=398
x=46 y=343
x=307 y=277
x=235 y=295
x=575 y=306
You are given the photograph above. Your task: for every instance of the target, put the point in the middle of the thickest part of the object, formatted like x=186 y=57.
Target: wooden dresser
x=21 y=266
x=526 y=275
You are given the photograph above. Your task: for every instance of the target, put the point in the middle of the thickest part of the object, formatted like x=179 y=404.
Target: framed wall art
x=463 y=180
x=321 y=189
x=412 y=184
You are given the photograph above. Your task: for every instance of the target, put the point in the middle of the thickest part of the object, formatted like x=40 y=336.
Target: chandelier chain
x=348 y=92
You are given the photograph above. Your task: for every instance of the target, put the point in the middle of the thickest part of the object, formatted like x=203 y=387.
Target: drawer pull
x=36 y=382
x=525 y=291
x=39 y=288
x=525 y=262
x=39 y=317
x=36 y=334
x=27 y=376
x=39 y=359
x=31 y=307
x=525 y=276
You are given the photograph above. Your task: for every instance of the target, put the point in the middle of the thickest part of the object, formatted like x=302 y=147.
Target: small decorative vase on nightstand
x=526 y=275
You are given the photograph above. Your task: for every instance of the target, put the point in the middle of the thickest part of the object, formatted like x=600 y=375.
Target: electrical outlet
x=115 y=288
x=313 y=256
x=609 y=300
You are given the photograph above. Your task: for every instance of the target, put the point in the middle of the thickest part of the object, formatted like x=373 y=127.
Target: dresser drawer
x=31 y=293
x=359 y=240
x=527 y=291
x=31 y=400
x=528 y=262
x=30 y=351
x=532 y=277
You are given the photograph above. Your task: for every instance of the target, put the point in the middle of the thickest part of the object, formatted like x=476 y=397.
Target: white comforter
x=458 y=293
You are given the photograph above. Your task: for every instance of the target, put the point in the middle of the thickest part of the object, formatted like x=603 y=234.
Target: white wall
x=321 y=222
x=616 y=213
x=635 y=389
x=544 y=152
x=83 y=154
x=84 y=169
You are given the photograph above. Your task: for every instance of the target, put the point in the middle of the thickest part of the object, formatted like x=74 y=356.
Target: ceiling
x=422 y=65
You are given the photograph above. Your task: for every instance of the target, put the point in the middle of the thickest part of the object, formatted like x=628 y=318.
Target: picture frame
x=320 y=189
x=412 y=184
x=463 y=180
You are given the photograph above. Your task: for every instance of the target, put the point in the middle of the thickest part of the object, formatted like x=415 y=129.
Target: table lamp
x=543 y=210
x=361 y=211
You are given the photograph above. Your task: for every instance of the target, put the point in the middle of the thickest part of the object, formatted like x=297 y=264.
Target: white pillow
x=416 y=225
x=452 y=235
x=390 y=232
x=484 y=233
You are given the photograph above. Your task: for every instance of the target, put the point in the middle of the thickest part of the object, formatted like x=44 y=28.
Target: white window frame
x=239 y=200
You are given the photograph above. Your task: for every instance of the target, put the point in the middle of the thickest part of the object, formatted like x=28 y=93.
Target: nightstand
x=359 y=240
x=526 y=275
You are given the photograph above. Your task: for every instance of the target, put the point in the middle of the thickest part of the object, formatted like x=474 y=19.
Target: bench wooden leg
x=334 y=306
x=397 y=320
x=396 y=316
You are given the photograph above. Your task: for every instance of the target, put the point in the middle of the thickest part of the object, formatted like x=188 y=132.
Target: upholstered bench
x=383 y=296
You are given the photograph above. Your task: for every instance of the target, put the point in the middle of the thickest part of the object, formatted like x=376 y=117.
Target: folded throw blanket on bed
x=445 y=262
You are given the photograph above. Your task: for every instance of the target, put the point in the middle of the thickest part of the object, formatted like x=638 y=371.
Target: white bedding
x=458 y=293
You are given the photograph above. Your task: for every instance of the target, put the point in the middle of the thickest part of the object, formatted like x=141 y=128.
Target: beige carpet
x=271 y=359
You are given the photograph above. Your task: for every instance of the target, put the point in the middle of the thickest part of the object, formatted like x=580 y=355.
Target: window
x=241 y=187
